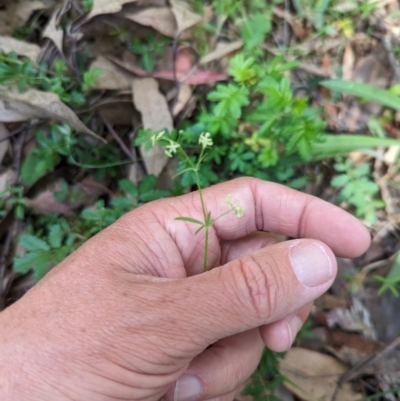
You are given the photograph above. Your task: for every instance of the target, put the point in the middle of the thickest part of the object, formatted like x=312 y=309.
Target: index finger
x=274 y=208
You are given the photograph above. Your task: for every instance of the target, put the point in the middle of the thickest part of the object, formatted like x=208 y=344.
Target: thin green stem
x=223 y=214
x=10 y=60
x=206 y=250
x=203 y=206
x=207 y=222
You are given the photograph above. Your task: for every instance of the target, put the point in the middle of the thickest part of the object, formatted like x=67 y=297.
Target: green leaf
x=22 y=264
x=198 y=230
x=255 y=29
x=364 y=91
x=60 y=254
x=190 y=220
x=147 y=62
x=340 y=180
x=122 y=202
x=90 y=78
x=39 y=260
x=19 y=212
x=128 y=187
x=32 y=243
x=241 y=69
x=338 y=145
x=394 y=272
x=147 y=184
x=305 y=149
x=231 y=98
x=55 y=236
x=90 y=214
x=153 y=195
x=144 y=135
x=42 y=266
x=32 y=169
x=361 y=170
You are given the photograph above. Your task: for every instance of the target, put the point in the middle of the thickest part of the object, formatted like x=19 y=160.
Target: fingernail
x=311 y=263
x=294 y=326
x=187 y=388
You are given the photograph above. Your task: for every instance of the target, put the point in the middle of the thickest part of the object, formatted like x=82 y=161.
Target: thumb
x=258 y=289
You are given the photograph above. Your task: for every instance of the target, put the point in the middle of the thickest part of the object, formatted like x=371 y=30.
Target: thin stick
x=176 y=82
x=20 y=129
x=116 y=137
x=3 y=264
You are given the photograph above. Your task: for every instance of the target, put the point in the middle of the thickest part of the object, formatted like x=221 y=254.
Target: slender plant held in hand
x=173 y=147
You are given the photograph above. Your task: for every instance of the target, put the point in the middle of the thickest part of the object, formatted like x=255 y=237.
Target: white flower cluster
x=205 y=140
x=237 y=208
x=172 y=146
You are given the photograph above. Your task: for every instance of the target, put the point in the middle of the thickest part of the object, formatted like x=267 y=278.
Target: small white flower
x=205 y=140
x=156 y=137
x=237 y=208
x=171 y=148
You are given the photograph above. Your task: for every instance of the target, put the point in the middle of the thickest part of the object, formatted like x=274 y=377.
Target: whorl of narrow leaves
x=231 y=99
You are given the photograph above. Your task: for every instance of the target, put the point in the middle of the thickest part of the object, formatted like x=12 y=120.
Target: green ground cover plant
x=358 y=189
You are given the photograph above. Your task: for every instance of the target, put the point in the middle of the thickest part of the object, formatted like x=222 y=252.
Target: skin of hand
x=131 y=316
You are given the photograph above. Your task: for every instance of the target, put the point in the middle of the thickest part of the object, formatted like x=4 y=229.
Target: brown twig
x=3 y=266
x=360 y=367
x=18 y=148
x=286 y=33
x=174 y=57
x=290 y=20
x=20 y=129
x=117 y=138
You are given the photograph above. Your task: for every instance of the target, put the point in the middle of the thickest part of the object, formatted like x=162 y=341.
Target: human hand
x=128 y=314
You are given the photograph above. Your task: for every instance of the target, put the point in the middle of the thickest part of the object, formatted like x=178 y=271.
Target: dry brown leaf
x=86 y=193
x=184 y=95
x=3 y=144
x=348 y=62
x=155 y=116
x=162 y=19
x=7 y=179
x=107 y=7
x=113 y=78
x=54 y=32
x=185 y=17
x=17 y=13
x=192 y=77
x=373 y=69
x=117 y=113
x=22 y=10
x=5 y=24
x=222 y=50
x=15 y=106
x=9 y=44
x=152 y=3
x=117 y=110
x=315 y=375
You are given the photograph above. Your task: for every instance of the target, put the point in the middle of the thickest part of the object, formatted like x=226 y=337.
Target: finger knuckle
x=260 y=284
